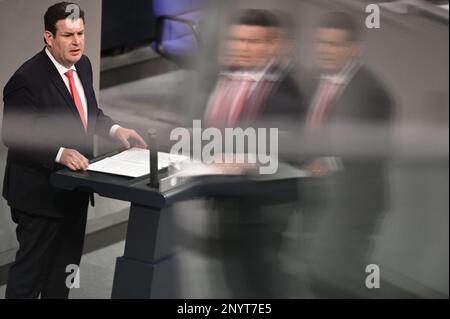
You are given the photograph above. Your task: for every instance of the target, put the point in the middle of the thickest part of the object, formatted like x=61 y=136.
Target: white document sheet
x=134 y=162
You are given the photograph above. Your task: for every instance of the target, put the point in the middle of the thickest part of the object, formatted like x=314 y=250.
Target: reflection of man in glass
x=251 y=46
x=253 y=87
x=345 y=90
x=254 y=83
x=346 y=93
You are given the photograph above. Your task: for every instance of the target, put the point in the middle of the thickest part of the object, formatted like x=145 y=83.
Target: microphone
x=153 y=146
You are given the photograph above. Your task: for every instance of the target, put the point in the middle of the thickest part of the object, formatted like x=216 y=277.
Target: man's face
x=334 y=49
x=67 y=45
x=250 y=46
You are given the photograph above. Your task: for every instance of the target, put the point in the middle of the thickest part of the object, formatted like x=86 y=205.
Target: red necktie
x=76 y=98
x=323 y=102
x=240 y=104
x=219 y=105
x=229 y=102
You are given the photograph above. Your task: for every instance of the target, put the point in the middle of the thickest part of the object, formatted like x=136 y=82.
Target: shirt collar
x=254 y=75
x=344 y=76
x=61 y=69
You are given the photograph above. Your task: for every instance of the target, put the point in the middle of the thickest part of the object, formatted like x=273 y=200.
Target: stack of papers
x=134 y=162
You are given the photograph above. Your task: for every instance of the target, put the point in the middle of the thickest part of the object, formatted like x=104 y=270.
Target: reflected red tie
x=321 y=106
x=76 y=98
x=219 y=106
x=240 y=103
x=229 y=102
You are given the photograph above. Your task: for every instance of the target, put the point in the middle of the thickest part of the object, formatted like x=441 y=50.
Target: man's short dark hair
x=342 y=21
x=60 y=11
x=256 y=17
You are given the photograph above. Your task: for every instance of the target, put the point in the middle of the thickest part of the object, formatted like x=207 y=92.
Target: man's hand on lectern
x=129 y=138
x=74 y=160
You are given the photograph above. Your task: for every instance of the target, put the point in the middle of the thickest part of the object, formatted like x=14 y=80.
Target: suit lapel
x=62 y=88
x=258 y=99
x=343 y=105
x=59 y=84
x=88 y=92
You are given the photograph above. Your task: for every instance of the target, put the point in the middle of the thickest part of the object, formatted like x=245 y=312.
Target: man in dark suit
x=343 y=207
x=254 y=89
x=50 y=117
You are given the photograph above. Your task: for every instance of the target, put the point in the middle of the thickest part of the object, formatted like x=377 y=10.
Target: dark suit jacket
x=284 y=101
x=363 y=101
x=343 y=210
x=39 y=117
x=271 y=101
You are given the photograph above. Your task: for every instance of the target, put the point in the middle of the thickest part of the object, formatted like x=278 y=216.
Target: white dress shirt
x=62 y=70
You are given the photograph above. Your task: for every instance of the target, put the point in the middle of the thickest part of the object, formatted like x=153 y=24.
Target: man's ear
x=48 y=38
